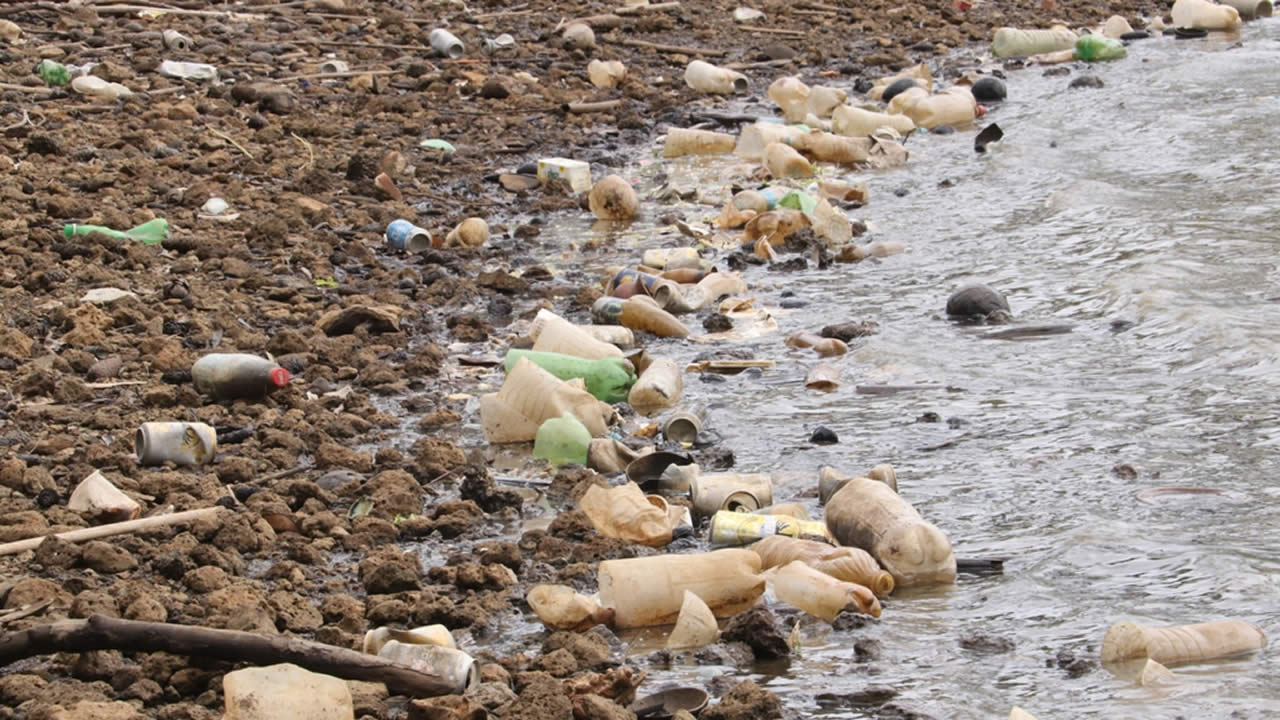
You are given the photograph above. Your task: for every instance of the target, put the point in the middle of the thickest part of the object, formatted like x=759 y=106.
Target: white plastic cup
x=445 y=44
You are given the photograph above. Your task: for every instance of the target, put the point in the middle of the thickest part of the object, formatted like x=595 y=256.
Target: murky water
x=1147 y=201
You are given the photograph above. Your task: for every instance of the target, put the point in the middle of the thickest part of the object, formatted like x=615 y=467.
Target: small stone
x=107 y=558
x=494 y=89
x=976 y=301
x=758 y=628
x=1086 y=81
x=989 y=89
x=717 y=322
x=823 y=435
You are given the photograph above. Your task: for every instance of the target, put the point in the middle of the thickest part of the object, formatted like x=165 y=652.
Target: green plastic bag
x=1092 y=48
x=562 y=440
x=608 y=379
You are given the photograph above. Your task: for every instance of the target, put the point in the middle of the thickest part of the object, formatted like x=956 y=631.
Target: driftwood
x=103 y=633
x=591 y=107
x=672 y=48
x=119 y=528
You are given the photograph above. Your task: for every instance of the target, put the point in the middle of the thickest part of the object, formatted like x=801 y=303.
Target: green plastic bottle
x=1092 y=48
x=152 y=232
x=562 y=440
x=608 y=379
x=53 y=74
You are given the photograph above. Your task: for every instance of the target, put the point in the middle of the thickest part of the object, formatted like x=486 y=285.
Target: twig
x=374 y=46
x=591 y=107
x=281 y=474
x=114 y=383
x=231 y=140
x=311 y=156
x=344 y=74
x=119 y=528
x=130 y=9
x=760 y=64
x=640 y=9
x=103 y=633
x=25 y=88
x=771 y=31
x=25 y=611
x=672 y=48
x=25 y=120
x=517 y=10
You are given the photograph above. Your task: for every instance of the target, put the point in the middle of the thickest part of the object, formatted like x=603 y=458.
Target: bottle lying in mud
x=425 y=635
x=152 y=232
x=453 y=666
x=736 y=492
x=231 y=376
x=1013 y=42
x=637 y=313
x=659 y=387
x=705 y=77
x=955 y=106
x=180 y=443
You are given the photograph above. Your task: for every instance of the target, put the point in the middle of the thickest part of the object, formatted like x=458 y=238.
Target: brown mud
x=303 y=273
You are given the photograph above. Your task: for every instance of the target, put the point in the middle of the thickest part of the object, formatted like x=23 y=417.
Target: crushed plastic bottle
x=152 y=232
x=188 y=70
x=53 y=74
x=1094 y=48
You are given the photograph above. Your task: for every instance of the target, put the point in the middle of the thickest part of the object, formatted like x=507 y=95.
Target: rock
x=844 y=332
x=976 y=301
x=107 y=558
x=989 y=89
x=387 y=570
x=344 y=321
x=897 y=87
x=206 y=579
x=15 y=344
x=747 y=701
x=105 y=296
x=368 y=698
x=1086 y=81
x=285 y=692
x=494 y=89
x=105 y=368
x=558 y=663
x=53 y=552
x=88 y=710
x=594 y=707
x=480 y=488
x=869 y=695
x=588 y=649
x=447 y=707
x=758 y=628
x=541 y=698
x=823 y=435
x=986 y=644
x=491 y=695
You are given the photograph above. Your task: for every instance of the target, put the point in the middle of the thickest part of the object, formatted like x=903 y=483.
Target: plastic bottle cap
x=982 y=110
x=280 y=377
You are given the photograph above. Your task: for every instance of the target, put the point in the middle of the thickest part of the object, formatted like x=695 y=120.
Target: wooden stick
x=344 y=74
x=26 y=88
x=672 y=48
x=130 y=9
x=591 y=107
x=119 y=528
x=771 y=31
x=640 y=9
x=104 y=633
x=759 y=64
x=374 y=46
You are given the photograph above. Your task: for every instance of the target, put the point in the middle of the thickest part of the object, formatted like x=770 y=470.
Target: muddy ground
x=297 y=161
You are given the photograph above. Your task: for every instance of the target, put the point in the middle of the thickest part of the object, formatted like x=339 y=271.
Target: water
x=1146 y=201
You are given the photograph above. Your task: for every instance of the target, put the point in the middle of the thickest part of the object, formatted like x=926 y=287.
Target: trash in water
x=991 y=133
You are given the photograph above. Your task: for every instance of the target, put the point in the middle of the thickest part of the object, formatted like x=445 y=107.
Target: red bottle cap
x=280 y=377
x=982 y=110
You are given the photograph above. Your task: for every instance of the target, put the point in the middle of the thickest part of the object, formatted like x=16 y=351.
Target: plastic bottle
x=696 y=625
x=793 y=509
x=188 y=70
x=608 y=379
x=705 y=77
x=613 y=334
x=96 y=87
x=637 y=313
x=1251 y=9
x=453 y=666
x=560 y=607
x=562 y=440
x=755 y=138
x=823 y=377
x=956 y=106
x=1205 y=15
x=445 y=44
x=531 y=396
x=682 y=142
x=791 y=95
x=1093 y=48
x=823 y=100
x=624 y=512
x=672 y=258
x=285 y=692
x=229 y=376
x=826 y=347
x=857 y=122
x=1012 y=42
x=180 y=443
x=868 y=514
x=659 y=387
x=818 y=593
x=439 y=635
x=783 y=161
x=827 y=147
x=650 y=590
x=152 y=232
x=849 y=564
x=552 y=333
x=1181 y=644
x=919 y=74
x=738 y=492
x=606 y=74
x=175 y=40
x=54 y=74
